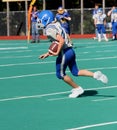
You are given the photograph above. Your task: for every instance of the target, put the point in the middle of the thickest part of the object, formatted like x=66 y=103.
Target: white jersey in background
x=99 y=18
x=114 y=17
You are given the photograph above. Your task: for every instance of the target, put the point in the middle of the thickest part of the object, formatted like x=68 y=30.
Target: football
x=53 y=47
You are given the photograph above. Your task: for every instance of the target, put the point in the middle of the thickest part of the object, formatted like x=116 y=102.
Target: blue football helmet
x=45 y=17
x=99 y=11
x=114 y=11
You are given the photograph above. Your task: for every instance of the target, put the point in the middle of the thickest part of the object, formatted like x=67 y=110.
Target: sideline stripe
x=50 y=94
x=49 y=73
x=95 y=125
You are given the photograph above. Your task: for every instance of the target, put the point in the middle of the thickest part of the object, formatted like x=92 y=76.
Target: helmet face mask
x=39 y=24
x=45 y=17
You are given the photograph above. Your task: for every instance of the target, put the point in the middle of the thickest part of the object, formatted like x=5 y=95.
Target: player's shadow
x=89 y=93
x=93 y=93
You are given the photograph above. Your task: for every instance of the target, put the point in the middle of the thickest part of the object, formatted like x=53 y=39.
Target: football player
x=100 y=21
x=65 y=54
x=114 y=20
x=64 y=18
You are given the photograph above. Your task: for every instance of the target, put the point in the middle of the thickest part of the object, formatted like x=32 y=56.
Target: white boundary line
x=49 y=94
x=32 y=96
x=94 y=125
x=8 y=57
x=102 y=58
x=55 y=99
x=12 y=51
x=96 y=100
x=49 y=73
x=104 y=99
x=13 y=48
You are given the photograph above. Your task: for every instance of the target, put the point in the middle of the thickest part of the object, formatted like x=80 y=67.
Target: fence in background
x=18 y=24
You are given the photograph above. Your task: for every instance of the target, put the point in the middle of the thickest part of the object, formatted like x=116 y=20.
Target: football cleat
x=76 y=92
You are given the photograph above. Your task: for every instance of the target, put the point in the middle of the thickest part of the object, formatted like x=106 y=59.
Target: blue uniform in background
x=64 y=23
x=35 y=31
x=114 y=23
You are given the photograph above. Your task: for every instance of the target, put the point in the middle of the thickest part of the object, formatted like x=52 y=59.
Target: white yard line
x=88 y=59
x=49 y=73
x=94 y=125
x=13 y=48
x=49 y=94
x=103 y=99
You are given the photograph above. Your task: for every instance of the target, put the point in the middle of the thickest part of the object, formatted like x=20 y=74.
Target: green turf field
x=32 y=98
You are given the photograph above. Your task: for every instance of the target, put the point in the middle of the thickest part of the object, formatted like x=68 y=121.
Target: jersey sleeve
x=51 y=33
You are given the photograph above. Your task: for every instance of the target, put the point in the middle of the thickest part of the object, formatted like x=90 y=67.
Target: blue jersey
x=64 y=22
x=94 y=12
x=34 y=16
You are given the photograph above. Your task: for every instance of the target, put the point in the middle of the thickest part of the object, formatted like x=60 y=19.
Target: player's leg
x=68 y=59
x=104 y=32
x=113 y=31
x=61 y=65
x=98 y=75
x=99 y=32
x=76 y=72
x=33 y=32
x=37 y=33
x=96 y=33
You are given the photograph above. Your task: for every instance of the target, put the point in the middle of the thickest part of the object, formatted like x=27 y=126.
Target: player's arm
x=45 y=55
x=109 y=13
x=67 y=18
x=104 y=20
x=95 y=22
x=60 y=40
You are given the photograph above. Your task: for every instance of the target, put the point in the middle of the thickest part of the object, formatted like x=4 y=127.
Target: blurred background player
x=111 y=13
x=100 y=22
x=65 y=54
x=114 y=20
x=35 y=30
x=95 y=12
x=64 y=18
